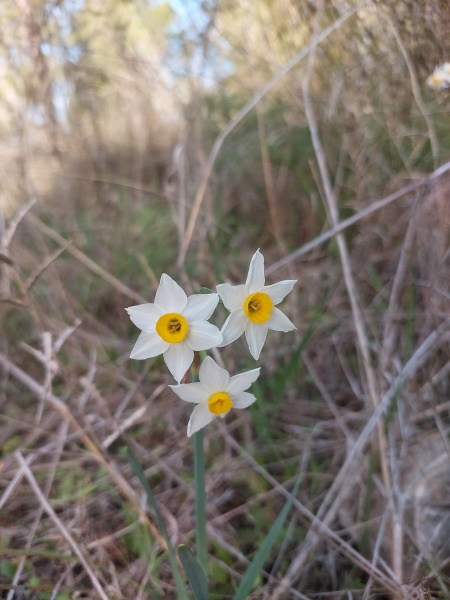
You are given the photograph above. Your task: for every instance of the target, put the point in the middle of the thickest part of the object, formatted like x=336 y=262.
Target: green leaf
x=255 y=567
x=205 y=290
x=293 y=363
x=139 y=472
x=194 y=572
x=200 y=500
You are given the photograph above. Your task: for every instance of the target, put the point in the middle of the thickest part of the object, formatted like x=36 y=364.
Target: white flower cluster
x=176 y=325
x=440 y=77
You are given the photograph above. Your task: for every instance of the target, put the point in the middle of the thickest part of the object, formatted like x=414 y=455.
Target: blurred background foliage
x=109 y=110
x=115 y=90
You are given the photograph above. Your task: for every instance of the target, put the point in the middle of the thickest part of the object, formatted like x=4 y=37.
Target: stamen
x=254 y=305
x=174 y=325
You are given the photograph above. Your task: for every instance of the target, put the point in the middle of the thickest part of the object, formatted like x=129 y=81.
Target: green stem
x=200 y=500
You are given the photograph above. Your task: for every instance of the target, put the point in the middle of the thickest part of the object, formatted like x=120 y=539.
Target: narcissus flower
x=216 y=393
x=440 y=78
x=252 y=307
x=175 y=326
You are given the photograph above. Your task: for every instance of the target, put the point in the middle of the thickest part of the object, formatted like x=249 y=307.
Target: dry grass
x=68 y=408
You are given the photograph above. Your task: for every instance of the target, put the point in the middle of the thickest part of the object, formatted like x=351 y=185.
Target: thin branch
x=42 y=267
x=64 y=335
x=9 y=234
x=389 y=328
x=135 y=416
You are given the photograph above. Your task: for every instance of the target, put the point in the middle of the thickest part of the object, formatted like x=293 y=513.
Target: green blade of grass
x=194 y=572
x=200 y=493
x=262 y=554
x=139 y=472
x=293 y=363
x=200 y=499
x=37 y=553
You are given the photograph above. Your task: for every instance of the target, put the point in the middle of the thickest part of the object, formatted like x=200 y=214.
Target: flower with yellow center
x=215 y=393
x=252 y=307
x=440 y=78
x=175 y=326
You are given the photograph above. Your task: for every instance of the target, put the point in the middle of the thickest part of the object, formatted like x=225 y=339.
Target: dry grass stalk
x=337 y=489
x=87 y=262
x=318 y=527
x=239 y=116
x=360 y=215
x=60 y=525
x=415 y=87
x=269 y=182
x=358 y=320
x=97 y=454
x=56 y=458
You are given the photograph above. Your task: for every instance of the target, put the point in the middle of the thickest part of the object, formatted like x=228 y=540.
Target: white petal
x=255 y=335
x=148 y=345
x=191 y=392
x=233 y=327
x=279 y=322
x=144 y=316
x=203 y=336
x=169 y=296
x=243 y=400
x=200 y=307
x=200 y=417
x=233 y=296
x=241 y=382
x=214 y=378
x=278 y=291
x=255 y=277
x=178 y=359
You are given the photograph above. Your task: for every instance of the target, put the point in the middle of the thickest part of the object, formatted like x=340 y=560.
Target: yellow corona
x=172 y=328
x=258 y=307
x=219 y=403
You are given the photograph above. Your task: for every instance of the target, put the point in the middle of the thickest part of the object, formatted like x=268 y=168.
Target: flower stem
x=200 y=500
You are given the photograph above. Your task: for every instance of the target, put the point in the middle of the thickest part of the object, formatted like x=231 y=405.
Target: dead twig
x=41 y=268
x=9 y=234
x=112 y=470
x=60 y=525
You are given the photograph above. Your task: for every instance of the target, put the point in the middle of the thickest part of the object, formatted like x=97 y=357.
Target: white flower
x=252 y=307
x=440 y=78
x=175 y=326
x=216 y=393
